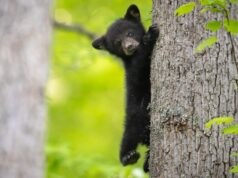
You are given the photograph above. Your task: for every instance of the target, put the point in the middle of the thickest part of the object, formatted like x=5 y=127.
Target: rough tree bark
x=187 y=90
x=25 y=36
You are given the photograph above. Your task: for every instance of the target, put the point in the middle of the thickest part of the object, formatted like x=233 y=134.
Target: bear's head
x=124 y=36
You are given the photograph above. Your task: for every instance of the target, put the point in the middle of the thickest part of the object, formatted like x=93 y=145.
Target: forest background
x=85 y=94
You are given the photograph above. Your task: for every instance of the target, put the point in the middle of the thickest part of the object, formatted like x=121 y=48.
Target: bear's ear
x=132 y=13
x=99 y=43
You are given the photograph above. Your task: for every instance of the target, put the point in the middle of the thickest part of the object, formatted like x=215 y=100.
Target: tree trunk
x=25 y=36
x=187 y=90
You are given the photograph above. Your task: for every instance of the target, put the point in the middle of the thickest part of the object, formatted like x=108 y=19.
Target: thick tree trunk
x=187 y=90
x=24 y=44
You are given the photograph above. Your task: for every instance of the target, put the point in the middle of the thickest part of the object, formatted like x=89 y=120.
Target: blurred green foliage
x=86 y=95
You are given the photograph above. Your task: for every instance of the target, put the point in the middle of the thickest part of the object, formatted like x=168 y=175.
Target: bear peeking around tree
x=127 y=39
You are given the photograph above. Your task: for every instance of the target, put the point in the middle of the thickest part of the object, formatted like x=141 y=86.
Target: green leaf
x=221 y=3
x=216 y=10
x=185 y=9
x=206 y=43
x=234 y=169
x=212 y=9
x=231 y=26
x=234 y=154
x=213 y=25
x=218 y=121
x=214 y=3
x=233 y=129
x=205 y=2
x=204 y=10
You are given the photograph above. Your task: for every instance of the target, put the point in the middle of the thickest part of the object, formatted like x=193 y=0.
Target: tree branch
x=74 y=28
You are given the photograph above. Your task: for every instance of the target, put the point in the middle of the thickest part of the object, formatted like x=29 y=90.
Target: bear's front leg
x=151 y=36
x=130 y=141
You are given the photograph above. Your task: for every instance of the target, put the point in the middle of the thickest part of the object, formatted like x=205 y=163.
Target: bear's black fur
x=127 y=39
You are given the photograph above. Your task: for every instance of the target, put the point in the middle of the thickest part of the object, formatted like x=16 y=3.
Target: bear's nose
x=130 y=46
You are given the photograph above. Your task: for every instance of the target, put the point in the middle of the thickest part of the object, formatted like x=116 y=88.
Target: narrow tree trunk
x=24 y=43
x=187 y=90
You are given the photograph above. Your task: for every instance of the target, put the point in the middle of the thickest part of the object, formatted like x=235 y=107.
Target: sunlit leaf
x=234 y=169
x=218 y=121
x=205 y=2
x=231 y=26
x=185 y=9
x=206 y=43
x=233 y=129
x=214 y=3
x=213 y=25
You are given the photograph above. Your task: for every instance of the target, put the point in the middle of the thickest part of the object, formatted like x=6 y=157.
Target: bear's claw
x=130 y=158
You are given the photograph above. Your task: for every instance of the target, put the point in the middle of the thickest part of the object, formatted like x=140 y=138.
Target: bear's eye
x=130 y=34
x=118 y=42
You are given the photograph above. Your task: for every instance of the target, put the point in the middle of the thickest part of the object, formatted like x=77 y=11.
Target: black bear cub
x=127 y=39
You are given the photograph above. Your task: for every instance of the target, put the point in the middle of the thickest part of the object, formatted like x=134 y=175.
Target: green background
x=86 y=95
